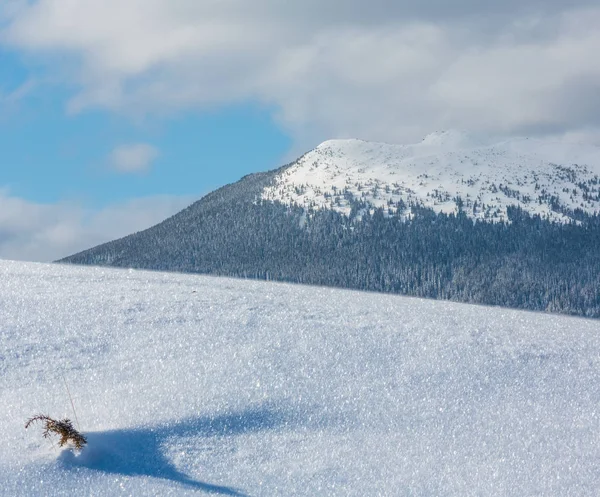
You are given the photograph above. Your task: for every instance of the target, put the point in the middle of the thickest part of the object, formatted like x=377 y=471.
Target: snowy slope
x=548 y=177
x=189 y=385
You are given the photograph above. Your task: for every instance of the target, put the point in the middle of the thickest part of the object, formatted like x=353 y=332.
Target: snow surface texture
x=543 y=176
x=193 y=385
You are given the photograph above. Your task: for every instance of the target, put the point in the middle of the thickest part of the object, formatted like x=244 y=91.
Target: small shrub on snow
x=63 y=428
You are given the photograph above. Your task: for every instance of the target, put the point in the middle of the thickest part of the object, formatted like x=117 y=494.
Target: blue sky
x=115 y=114
x=49 y=155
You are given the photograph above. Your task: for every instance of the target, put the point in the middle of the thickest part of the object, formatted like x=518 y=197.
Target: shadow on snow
x=139 y=451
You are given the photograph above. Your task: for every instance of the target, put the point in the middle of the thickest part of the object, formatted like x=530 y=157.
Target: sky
x=115 y=114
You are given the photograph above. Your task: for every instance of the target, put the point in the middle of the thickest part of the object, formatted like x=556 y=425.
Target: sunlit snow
x=548 y=177
x=193 y=385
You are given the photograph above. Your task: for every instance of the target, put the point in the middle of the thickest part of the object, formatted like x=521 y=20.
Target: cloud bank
x=46 y=232
x=389 y=70
x=386 y=70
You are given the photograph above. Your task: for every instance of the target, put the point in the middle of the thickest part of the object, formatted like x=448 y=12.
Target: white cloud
x=18 y=93
x=133 y=157
x=11 y=98
x=387 y=70
x=45 y=232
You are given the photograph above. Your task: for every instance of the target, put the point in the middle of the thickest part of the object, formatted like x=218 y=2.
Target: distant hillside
x=494 y=224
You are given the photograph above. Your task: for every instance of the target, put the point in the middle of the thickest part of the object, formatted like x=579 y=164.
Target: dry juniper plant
x=63 y=428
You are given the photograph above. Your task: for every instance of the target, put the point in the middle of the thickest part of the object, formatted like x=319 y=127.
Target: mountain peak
x=341 y=144
x=447 y=171
x=451 y=138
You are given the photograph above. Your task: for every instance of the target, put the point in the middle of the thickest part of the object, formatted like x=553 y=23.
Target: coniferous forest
x=526 y=263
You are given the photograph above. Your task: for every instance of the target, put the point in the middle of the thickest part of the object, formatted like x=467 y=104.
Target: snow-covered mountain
x=550 y=177
x=194 y=385
x=314 y=221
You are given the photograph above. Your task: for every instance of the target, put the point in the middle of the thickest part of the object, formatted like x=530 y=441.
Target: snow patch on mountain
x=447 y=171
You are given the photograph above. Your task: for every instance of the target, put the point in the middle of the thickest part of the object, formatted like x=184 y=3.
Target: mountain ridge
x=515 y=257
x=447 y=172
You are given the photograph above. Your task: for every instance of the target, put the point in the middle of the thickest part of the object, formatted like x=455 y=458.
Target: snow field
x=193 y=385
